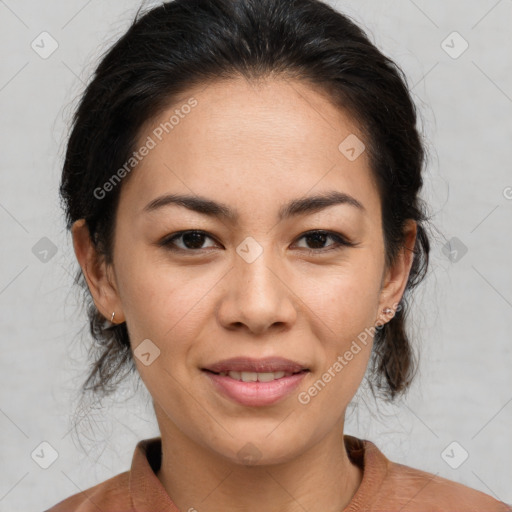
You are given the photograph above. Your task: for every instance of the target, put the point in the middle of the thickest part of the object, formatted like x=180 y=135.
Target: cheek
x=343 y=307
x=163 y=305
x=170 y=306
x=344 y=301
x=159 y=299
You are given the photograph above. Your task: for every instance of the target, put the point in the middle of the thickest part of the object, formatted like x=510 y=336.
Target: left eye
x=319 y=238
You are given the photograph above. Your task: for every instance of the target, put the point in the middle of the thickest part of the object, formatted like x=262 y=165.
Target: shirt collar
x=149 y=495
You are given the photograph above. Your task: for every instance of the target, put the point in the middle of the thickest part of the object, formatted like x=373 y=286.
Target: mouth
x=256 y=382
x=247 y=376
x=248 y=369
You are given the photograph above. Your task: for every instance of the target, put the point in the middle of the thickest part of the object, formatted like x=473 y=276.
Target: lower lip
x=256 y=393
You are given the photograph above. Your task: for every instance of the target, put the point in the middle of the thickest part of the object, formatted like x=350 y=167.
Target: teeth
x=253 y=376
x=267 y=377
x=249 y=376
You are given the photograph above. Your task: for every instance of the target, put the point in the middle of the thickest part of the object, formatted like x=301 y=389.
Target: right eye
x=186 y=241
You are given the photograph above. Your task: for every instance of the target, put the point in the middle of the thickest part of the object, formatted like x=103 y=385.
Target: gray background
x=462 y=315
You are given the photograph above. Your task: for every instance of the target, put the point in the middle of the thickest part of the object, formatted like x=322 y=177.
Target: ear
x=394 y=279
x=98 y=274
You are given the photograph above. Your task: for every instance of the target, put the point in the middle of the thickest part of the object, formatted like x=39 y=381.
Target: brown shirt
x=386 y=487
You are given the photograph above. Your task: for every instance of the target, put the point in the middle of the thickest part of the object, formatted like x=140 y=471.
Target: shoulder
x=111 y=495
x=418 y=490
x=388 y=485
x=135 y=489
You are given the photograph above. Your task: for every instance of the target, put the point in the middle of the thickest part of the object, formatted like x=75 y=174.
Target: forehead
x=250 y=141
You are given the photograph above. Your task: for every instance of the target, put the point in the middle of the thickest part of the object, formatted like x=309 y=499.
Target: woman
x=241 y=183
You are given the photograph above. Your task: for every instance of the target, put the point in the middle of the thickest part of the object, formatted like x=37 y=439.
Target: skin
x=254 y=147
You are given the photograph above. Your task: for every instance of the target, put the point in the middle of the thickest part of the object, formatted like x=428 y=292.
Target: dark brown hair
x=183 y=43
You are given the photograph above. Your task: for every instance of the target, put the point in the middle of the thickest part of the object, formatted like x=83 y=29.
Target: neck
x=322 y=479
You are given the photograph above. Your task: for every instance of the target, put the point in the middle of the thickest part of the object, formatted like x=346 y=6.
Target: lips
x=256 y=382
x=256 y=376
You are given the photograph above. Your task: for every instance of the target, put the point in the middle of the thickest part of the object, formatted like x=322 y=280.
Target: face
x=254 y=268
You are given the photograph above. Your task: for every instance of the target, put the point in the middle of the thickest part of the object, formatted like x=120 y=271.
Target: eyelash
x=340 y=241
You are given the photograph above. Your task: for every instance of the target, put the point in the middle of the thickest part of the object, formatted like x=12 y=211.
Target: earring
x=112 y=317
x=385 y=311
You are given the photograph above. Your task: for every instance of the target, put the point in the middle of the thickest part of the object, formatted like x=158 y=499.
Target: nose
x=257 y=297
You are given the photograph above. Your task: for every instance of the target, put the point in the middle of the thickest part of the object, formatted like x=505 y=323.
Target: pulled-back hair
x=184 y=43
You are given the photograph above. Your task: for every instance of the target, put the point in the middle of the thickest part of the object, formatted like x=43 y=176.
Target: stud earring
x=112 y=317
x=385 y=311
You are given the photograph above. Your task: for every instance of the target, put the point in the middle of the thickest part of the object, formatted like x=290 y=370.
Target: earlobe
x=396 y=276
x=96 y=272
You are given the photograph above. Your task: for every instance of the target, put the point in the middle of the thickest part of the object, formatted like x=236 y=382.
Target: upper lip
x=248 y=364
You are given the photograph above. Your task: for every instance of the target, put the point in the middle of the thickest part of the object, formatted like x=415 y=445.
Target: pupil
x=318 y=237
x=193 y=240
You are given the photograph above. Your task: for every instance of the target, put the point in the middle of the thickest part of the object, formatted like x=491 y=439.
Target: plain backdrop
x=456 y=56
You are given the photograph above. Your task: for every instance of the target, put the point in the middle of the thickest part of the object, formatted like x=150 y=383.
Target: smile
x=256 y=377
x=255 y=389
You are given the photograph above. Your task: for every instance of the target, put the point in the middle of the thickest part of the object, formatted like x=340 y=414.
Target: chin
x=262 y=447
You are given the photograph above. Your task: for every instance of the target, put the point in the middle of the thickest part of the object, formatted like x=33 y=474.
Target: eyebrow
x=301 y=206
